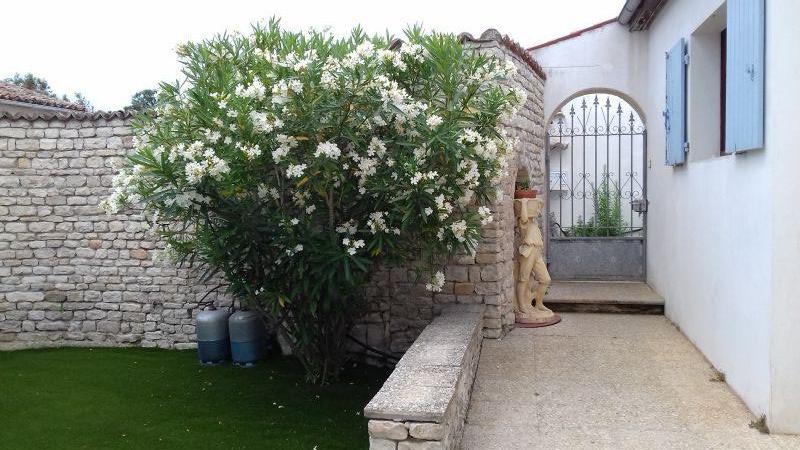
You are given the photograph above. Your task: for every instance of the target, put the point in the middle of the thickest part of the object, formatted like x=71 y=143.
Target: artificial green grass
x=74 y=398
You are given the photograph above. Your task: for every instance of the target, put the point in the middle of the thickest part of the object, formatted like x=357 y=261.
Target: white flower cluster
x=295 y=170
x=264 y=192
x=419 y=176
x=210 y=164
x=352 y=246
x=347 y=227
x=265 y=122
x=123 y=189
x=486 y=215
x=328 y=149
x=294 y=250
x=285 y=144
x=434 y=121
x=251 y=152
x=459 y=230
x=255 y=90
x=377 y=223
x=436 y=283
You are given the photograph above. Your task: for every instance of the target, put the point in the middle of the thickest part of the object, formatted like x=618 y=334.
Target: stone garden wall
x=399 y=308
x=72 y=275
x=69 y=273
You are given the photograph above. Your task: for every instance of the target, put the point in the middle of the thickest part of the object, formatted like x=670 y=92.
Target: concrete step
x=604 y=296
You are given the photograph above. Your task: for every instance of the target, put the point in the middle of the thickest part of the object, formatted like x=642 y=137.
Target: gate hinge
x=686 y=147
x=686 y=59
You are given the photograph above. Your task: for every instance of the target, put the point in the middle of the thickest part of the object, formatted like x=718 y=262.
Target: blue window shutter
x=744 y=86
x=675 y=112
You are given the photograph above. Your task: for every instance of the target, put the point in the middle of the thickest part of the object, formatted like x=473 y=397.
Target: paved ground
x=605 y=381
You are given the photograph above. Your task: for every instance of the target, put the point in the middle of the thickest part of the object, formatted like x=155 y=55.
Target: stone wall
x=400 y=308
x=69 y=273
x=424 y=402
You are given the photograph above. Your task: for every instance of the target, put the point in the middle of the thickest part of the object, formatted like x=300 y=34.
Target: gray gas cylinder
x=213 y=346
x=248 y=339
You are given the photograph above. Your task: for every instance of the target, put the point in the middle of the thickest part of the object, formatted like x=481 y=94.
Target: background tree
x=31 y=81
x=39 y=84
x=143 y=100
x=83 y=101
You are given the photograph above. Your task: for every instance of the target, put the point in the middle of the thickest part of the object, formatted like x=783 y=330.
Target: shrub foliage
x=293 y=163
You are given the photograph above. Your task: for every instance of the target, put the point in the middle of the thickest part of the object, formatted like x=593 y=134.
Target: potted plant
x=522 y=189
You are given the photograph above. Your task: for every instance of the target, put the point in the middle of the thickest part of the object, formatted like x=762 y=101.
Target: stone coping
x=425 y=381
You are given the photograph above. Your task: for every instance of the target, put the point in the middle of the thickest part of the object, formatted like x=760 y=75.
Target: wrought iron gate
x=597 y=207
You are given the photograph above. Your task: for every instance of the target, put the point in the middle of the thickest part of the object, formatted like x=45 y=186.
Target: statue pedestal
x=528 y=322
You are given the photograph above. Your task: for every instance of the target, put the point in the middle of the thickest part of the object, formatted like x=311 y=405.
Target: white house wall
x=608 y=57
x=710 y=227
x=782 y=113
x=722 y=251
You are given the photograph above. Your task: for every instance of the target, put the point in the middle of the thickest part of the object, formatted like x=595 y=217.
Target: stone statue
x=531 y=261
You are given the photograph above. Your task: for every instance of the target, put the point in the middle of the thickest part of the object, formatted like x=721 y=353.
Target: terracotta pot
x=525 y=193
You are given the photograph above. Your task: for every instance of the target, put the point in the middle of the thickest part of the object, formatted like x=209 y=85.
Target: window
x=707 y=92
x=715 y=103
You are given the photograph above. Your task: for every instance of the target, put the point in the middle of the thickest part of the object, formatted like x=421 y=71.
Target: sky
x=108 y=50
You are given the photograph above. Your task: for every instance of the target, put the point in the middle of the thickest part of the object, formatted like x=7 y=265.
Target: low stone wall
x=423 y=403
x=69 y=273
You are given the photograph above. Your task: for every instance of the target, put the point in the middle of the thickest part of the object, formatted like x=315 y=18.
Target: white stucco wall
x=609 y=58
x=723 y=247
x=782 y=112
x=710 y=233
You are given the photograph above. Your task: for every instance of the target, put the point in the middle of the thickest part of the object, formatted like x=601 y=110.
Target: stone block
x=25 y=296
x=108 y=326
x=457 y=273
x=387 y=429
x=463 y=288
x=420 y=445
x=426 y=431
x=382 y=444
x=57 y=325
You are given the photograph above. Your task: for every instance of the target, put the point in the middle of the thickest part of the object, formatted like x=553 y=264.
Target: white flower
x=376 y=147
x=295 y=170
x=195 y=171
x=434 y=121
x=486 y=215
x=310 y=209
x=352 y=246
x=377 y=222
x=428 y=211
x=297 y=248
x=264 y=122
x=328 y=149
x=459 y=229
x=251 y=153
x=254 y=90
x=436 y=283
x=295 y=221
x=468 y=135
x=279 y=153
x=347 y=227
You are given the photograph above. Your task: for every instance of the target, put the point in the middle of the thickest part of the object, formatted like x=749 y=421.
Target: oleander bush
x=294 y=163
